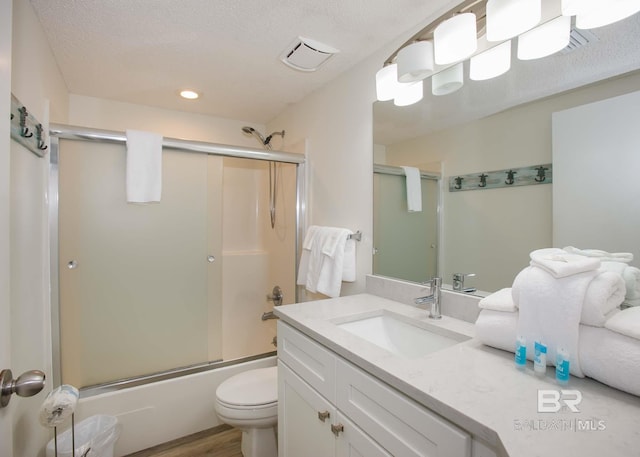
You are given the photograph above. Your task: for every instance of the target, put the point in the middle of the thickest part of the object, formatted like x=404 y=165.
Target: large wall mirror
x=503 y=123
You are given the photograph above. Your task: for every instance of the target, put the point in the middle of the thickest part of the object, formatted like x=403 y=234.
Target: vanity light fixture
x=189 y=94
x=546 y=39
x=415 y=62
x=491 y=63
x=508 y=18
x=409 y=93
x=387 y=82
x=455 y=39
x=447 y=81
x=605 y=12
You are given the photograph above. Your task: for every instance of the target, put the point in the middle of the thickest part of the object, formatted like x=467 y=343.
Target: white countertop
x=478 y=388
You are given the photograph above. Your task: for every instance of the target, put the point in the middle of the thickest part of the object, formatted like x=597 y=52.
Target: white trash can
x=95 y=436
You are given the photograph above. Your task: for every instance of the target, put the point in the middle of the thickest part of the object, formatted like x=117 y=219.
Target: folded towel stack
x=570 y=301
x=328 y=258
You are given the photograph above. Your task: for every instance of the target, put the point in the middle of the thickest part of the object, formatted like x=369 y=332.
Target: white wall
x=38 y=84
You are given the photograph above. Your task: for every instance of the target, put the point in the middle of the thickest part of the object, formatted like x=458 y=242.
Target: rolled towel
x=610 y=358
x=604 y=294
x=497 y=329
x=561 y=264
x=631 y=276
x=631 y=302
x=626 y=322
x=501 y=300
x=624 y=257
x=58 y=405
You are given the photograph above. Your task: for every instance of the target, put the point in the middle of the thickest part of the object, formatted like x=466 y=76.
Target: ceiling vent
x=305 y=54
x=579 y=39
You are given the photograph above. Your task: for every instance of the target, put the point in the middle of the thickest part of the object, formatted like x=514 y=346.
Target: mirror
x=499 y=124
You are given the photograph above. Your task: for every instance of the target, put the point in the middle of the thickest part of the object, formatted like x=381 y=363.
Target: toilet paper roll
x=59 y=405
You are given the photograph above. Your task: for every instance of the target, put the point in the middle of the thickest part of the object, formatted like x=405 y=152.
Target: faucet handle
x=458 y=279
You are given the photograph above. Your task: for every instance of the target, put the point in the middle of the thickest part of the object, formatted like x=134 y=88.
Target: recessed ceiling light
x=189 y=94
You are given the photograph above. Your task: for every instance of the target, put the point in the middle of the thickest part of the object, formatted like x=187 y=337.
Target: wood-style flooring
x=222 y=441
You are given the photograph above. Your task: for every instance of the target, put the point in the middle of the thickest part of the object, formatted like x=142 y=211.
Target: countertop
x=478 y=388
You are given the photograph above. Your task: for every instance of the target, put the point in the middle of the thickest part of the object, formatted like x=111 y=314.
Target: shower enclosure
x=148 y=291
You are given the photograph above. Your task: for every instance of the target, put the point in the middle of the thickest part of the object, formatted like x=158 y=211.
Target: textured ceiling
x=144 y=51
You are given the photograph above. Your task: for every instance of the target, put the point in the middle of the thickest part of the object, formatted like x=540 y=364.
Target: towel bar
x=355 y=236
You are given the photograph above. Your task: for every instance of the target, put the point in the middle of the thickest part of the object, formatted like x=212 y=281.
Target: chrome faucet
x=458 y=282
x=434 y=298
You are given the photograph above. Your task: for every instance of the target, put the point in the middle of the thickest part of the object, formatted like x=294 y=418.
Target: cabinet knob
x=323 y=415
x=337 y=428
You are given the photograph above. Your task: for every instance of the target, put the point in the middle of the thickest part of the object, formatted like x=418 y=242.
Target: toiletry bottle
x=562 y=366
x=540 y=358
x=521 y=352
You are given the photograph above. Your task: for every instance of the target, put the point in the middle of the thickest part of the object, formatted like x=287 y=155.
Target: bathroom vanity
x=365 y=375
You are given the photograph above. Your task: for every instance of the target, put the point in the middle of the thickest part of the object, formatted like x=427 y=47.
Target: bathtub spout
x=268 y=315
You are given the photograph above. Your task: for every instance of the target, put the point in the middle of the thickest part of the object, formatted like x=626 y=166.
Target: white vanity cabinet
x=362 y=415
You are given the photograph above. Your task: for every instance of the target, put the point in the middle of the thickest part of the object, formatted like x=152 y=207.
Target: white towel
x=550 y=308
x=560 y=264
x=604 y=294
x=501 y=300
x=414 y=189
x=144 y=167
x=630 y=275
x=349 y=268
x=610 y=358
x=322 y=260
x=497 y=329
x=626 y=322
x=631 y=302
x=603 y=256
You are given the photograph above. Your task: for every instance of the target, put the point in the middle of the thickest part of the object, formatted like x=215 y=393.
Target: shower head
x=268 y=139
x=251 y=131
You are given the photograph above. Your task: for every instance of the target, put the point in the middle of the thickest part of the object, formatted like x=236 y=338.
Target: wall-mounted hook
x=483 y=180
x=23 y=123
x=541 y=176
x=39 y=139
x=458 y=181
x=510 y=177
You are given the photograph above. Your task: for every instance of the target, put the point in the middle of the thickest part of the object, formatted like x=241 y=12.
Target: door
x=304 y=418
x=6 y=447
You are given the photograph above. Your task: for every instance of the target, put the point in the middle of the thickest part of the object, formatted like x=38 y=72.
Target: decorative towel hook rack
x=524 y=176
x=23 y=125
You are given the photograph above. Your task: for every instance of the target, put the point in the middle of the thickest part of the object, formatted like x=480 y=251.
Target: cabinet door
x=301 y=429
x=353 y=442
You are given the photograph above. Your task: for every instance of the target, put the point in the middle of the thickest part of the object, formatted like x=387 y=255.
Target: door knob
x=28 y=384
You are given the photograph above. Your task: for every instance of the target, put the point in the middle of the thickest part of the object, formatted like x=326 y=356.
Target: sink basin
x=400 y=335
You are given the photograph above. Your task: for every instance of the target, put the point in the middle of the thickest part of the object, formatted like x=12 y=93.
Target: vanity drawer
x=313 y=363
x=400 y=425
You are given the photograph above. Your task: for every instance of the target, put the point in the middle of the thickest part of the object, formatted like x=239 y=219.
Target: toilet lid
x=253 y=387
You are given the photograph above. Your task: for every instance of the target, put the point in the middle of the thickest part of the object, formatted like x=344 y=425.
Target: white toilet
x=249 y=402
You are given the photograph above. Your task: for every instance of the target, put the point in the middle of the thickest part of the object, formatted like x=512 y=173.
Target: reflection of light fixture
x=408 y=94
x=387 y=82
x=606 y=12
x=415 y=62
x=447 y=81
x=508 y=18
x=545 y=39
x=455 y=39
x=574 y=7
x=491 y=63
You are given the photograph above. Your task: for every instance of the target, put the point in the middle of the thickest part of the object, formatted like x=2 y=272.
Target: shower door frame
x=68 y=132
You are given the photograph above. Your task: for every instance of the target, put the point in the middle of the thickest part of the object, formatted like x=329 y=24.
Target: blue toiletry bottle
x=540 y=358
x=562 y=366
x=521 y=352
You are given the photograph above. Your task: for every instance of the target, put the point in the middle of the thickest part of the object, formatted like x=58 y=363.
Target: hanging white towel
x=323 y=259
x=144 y=166
x=414 y=189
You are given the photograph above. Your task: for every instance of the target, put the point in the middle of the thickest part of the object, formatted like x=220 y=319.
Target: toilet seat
x=250 y=389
